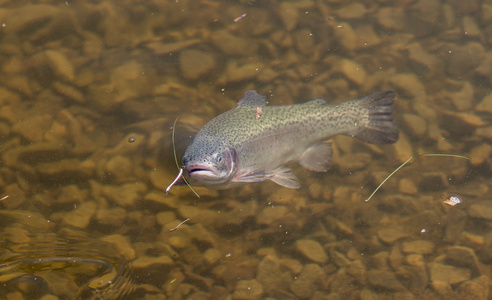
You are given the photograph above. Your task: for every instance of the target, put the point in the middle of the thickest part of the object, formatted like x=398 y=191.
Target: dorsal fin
x=252 y=99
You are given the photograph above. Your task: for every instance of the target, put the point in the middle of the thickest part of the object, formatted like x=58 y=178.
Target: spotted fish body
x=252 y=142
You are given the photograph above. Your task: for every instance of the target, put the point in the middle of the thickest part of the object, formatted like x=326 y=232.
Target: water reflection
x=39 y=260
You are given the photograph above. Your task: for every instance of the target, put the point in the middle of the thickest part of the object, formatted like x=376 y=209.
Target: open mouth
x=197 y=170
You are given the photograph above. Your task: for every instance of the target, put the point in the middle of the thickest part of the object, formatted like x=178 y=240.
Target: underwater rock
x=463 y=99
x=386 y=280
x=304 y=41
x=60 y=65
x=430 y=63
x=195 y=63
x=198 y=215
x=403 y=149
x=29 y=18
x=122 y=243
x=419 y=247
x=113 y=217
x=485 y=105
x=289 y=15
x=312 y=250
x=237 y=73
x=248 y=289
x=477 y=289
x=484 y=132
x=119 y=166
x=270 y=214
x=443 y=289
x=346 y=36
x=415 y=274
x=308 y=281
x=33 y=127
x=481 y=210
x=390 y=235
x=395 y=257
x=353 y=162
x=161 y=48
x=271 y=277
x=353 y=71
x=448 y=274
x=232 y=44
x=125 y=195
x=416 y=125
x=212 y=256
x=69 y=92
x=351 y=11
x=407 y=186
x=392 y=18
x=463 y=58
x=456 y=223
x=80 y=217
x=464 y=257
x=408 y=85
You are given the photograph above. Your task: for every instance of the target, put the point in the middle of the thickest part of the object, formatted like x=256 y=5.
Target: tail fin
x=379 y=127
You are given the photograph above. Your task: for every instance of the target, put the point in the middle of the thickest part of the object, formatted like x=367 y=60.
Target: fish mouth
x=202 y=175
x=198 y=170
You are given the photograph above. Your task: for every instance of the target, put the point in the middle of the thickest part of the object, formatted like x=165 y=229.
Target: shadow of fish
x=252 y=142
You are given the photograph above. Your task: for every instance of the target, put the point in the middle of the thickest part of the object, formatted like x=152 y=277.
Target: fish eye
x=218 y=159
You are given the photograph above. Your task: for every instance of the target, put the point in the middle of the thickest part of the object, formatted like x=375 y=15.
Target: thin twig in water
x=177 y=165
x=403 y=164
x=179 y=225
x=4 y=197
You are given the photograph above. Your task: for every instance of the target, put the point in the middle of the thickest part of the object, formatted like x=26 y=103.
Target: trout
x=253 y=142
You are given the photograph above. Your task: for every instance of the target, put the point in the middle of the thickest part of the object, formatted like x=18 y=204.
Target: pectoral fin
x=281 y=176
x=317 y=157
x=284 y=177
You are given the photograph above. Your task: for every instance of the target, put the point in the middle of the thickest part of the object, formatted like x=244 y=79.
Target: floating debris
x=452 y=200
x=4 y=197
x=179 y=225
x=240 y=17
x=406 y=162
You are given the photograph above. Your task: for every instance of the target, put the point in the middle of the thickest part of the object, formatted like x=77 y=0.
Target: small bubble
x=131 y=140
x=340 y=26
x=423 y=230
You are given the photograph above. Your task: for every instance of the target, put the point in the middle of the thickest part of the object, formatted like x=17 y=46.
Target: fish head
x=209 y=162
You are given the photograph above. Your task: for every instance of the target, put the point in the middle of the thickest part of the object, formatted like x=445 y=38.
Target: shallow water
x=88 y=97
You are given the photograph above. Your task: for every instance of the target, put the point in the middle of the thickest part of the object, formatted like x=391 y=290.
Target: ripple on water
x=69 y=264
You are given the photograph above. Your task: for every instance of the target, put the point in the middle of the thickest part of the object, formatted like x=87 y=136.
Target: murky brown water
x=89 y=92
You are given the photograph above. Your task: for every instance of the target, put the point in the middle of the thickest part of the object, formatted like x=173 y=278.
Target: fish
x=254 y=142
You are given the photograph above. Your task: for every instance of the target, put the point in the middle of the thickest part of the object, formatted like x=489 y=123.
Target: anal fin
x=317 y=157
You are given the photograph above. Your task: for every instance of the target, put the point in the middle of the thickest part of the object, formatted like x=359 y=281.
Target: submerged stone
x=312 y=250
